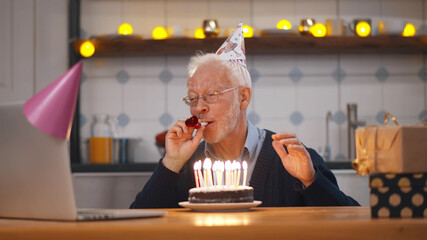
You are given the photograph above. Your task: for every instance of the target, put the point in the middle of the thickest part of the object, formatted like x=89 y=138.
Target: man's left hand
x=297 y=160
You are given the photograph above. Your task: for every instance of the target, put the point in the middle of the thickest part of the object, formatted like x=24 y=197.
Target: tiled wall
x=292 y=92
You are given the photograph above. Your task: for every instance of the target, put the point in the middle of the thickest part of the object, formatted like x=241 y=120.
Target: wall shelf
x=131 y=46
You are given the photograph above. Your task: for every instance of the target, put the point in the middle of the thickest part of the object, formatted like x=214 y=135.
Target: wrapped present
x=391 y=149
x=398 y=195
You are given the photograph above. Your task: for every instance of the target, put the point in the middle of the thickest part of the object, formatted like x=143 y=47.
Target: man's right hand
x=180 y=145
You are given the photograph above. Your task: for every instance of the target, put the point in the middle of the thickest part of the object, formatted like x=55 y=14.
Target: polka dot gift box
x=398 y=195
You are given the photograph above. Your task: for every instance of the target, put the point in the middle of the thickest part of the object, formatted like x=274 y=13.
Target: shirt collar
x=249 y=147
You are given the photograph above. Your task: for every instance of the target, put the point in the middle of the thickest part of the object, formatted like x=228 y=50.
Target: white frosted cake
x=221 y=194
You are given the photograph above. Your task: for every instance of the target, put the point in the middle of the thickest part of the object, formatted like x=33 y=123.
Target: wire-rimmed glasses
x=208 y=97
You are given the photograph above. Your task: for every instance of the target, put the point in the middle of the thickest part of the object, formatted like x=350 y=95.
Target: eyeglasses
x=208 y=97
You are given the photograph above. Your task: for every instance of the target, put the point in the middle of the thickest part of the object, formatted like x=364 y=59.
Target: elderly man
x=282 y=171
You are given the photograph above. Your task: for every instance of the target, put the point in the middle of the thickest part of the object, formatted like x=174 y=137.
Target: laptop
x=35 y=175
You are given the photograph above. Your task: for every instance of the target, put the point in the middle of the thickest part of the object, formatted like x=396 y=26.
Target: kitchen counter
x=149 y=167
x=258 y=223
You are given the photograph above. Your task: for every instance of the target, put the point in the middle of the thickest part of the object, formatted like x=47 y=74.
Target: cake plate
x=219 y=207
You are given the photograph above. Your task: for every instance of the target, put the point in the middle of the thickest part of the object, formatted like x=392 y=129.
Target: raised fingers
x=185 y=129
x=176 y=131
x=283 y=135
x=279 y=149
x=288 y=141
x=179 y=129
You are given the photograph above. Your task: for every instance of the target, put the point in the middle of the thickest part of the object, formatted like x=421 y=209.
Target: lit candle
x=207 y=171
x=245 y=172
x=220 y=173
x=214 y=170
x=227 y=172
x=239 y=169
x=199 y=173
x=235 y=173
x=196 y=178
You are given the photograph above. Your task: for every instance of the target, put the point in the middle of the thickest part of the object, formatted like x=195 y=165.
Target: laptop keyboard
x=108 y=214
x=95 y=214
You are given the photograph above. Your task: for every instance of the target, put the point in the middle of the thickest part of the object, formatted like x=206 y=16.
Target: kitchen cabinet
x=133 y=46
x=31 y=56
x=118 y=189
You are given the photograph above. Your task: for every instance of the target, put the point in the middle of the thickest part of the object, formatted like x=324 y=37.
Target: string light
x=284 y=24
x=318 y=30
x=87 y=49
x=409 y=30
x=363 y=29
x=199 y=34
x=248 y=32
x=125 y=29
x=159 y=33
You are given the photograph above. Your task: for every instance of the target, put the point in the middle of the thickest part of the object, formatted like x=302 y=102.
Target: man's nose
x=202 y=106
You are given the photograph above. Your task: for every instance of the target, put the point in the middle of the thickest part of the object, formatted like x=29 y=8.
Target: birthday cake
x=221 y=194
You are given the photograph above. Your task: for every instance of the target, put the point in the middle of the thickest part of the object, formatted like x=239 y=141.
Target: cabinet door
x=33 y=46
x=16 y=50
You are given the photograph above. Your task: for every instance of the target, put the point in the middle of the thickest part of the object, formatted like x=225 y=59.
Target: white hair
x=239 y=74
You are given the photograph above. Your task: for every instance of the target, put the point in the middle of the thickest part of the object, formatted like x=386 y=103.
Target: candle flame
x=220 y=166
x=227 y=165
x=197 y=165
x=207 y=164
x=234 y=165
x=245 y=165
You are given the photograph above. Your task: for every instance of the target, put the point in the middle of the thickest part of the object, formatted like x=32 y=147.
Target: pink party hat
x=52 y=109
x=233 y=49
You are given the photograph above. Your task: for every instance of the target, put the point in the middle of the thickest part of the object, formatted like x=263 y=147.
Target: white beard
x=228 y=122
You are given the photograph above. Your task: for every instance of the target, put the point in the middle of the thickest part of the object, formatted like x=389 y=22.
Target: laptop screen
x=35 y=177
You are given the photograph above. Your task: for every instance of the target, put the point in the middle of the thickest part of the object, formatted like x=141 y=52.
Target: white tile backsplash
x=402 y=64
x=307 y=128
x=405 y=10
x=266 y=14
x=319 y=10
x=100 y=17
x=273 y=65
x=315 y=65
x=177 y=65
x=177 y=89
x=402 y=96
x=100 y=96
x=102 y=67
x=147 y=130
x=360 y=64
x=277 y=125
x=230 y=13
x=187 y=13
x=274 y=98
x=316 y=96
x=153 y=14
x=135 y=15
x=145 y=98
x=351 y=9
x=365 y=91
x=337 y=140
x=144 y=67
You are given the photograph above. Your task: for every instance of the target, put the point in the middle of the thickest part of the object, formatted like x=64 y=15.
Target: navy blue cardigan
x=272 y=184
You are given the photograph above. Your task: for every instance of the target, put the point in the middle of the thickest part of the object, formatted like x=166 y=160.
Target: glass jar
x=101 y=140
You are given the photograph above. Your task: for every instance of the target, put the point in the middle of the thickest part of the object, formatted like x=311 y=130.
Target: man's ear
x=245 y=95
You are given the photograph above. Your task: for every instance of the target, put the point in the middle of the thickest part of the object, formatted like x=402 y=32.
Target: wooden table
x=260 y=223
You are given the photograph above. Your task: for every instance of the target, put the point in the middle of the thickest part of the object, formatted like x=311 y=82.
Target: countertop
x=149 y=167
x=259 y=223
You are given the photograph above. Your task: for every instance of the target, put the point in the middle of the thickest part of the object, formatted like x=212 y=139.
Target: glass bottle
x=101 y=140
